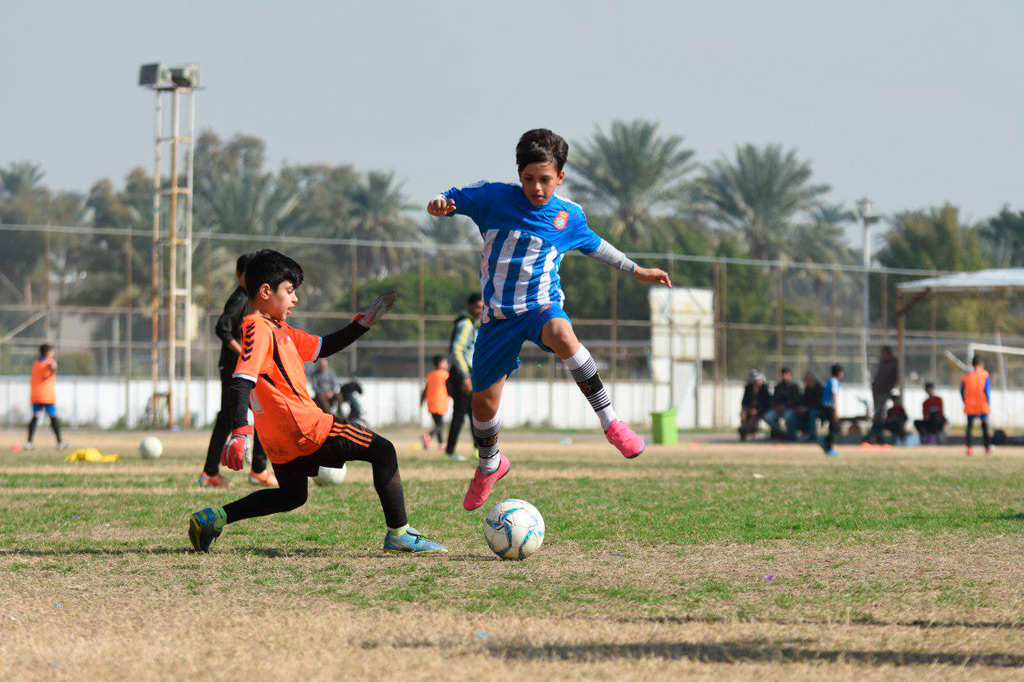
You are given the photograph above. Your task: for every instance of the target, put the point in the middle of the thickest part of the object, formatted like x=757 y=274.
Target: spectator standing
x=887 y=376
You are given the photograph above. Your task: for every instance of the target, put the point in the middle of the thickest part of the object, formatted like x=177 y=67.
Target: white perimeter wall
x=104 y=402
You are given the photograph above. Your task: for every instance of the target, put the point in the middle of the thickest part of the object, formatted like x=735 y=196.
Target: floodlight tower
x=172 y=233
x=866 y=212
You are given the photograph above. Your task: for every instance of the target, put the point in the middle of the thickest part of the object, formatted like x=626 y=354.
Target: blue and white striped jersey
x=523 y=245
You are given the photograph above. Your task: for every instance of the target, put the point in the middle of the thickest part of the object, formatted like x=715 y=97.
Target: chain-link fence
x=90 y=292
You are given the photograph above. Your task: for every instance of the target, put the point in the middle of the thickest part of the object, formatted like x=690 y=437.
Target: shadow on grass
x=95 y=551
x=750 y=651
x=870 y=622
x=1019 y=516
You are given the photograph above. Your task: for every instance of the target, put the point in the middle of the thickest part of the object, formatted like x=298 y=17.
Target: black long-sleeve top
x=229 y=327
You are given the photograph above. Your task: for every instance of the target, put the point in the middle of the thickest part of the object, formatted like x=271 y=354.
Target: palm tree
x=630 y=173
x=20 y=178
x=759 y=194
x=246 y=201
x=1003 y=238
x=378 y=206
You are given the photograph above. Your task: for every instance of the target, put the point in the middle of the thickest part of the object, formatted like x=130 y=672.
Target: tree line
x=643 y=189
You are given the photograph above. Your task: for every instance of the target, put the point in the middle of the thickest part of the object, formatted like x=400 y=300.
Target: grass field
x=711 y=560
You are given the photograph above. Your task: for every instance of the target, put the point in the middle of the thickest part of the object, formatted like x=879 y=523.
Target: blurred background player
x=325 y=386
x=933 y=419
x=527 y=230
x=229 y=331
x=435 y=396
x=830 y=410
x=298 y=435
x=44 y=395
x=977 y=394
x=460 y=354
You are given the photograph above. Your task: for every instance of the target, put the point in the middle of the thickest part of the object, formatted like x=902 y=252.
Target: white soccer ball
x=330 y=476
x=514 y=529
x=151 y=447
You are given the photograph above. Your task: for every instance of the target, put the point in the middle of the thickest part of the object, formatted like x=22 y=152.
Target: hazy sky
x=911 y=103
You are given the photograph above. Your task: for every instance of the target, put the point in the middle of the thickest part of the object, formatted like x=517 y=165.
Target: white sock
x=485 y=435
x=584 y=372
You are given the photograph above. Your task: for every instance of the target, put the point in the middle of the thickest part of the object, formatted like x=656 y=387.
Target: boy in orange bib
x=976 y=391
x=44 y=395
x=435 y=396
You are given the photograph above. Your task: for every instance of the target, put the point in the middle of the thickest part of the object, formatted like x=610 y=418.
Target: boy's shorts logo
x=561 y=220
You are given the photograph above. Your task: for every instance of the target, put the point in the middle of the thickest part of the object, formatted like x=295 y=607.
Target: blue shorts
x=50 y=409
x=497 y=345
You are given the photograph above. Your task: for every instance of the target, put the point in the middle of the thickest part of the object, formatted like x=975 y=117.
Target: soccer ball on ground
x=151 y=447
x=330 y=476
x=514 y=529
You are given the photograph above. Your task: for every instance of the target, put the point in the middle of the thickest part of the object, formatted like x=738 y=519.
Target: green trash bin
x=665 y=430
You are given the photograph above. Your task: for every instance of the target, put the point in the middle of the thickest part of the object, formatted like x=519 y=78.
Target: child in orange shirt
x=44 y=395
x=435 y=395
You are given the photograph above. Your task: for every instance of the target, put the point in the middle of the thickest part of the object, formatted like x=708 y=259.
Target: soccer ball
x=330 y=476
x=151 y=447
x=514 y=529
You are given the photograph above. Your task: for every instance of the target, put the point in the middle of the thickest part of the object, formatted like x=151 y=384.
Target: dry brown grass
x=921 y=606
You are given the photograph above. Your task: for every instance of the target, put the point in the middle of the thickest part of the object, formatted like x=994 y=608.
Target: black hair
x=887 y=350
x=270 y=267
x=785 y=370
x=836 y=369
x=976 y=360
x=44 y=349
x=438 y=359
x=242 y=261
x=541 y=146
x=929 y=386
x=473 y=298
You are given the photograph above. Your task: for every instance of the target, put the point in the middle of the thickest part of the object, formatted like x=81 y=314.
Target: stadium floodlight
x=157 y=76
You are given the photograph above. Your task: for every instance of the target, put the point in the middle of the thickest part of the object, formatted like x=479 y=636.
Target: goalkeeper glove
x=237 y=451
x=381 y=305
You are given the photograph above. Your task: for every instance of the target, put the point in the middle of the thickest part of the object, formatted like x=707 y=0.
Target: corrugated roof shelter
x=980 y=283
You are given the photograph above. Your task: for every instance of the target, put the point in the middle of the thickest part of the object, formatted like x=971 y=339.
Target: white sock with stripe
x=584 y=372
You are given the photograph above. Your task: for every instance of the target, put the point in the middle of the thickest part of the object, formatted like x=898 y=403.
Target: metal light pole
x=866 y=212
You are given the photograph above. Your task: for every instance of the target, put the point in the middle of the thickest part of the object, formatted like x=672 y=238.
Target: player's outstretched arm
x=346 y=336
x=611 y=256
x=440 y=206
x=652 y=276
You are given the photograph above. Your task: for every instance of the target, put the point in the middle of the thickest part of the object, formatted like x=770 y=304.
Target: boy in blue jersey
x=527 y=229
x=830 y=410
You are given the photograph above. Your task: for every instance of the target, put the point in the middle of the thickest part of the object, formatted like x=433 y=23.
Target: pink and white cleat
x=628 y=442
x=480 y=486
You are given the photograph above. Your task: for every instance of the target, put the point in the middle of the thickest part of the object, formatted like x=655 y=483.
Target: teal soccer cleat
x=411 y=541
x=205 y=526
